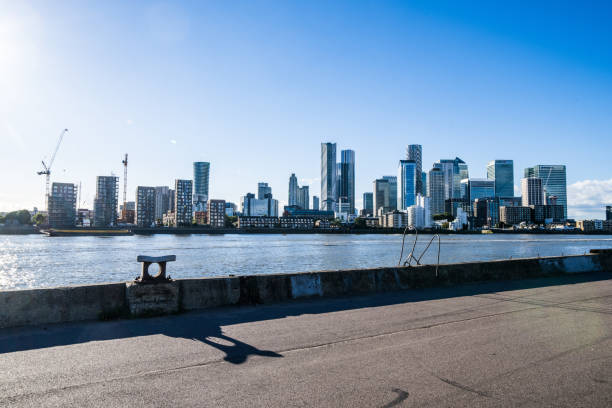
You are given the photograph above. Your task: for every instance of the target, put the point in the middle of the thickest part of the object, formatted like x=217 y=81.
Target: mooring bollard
x=145 y=277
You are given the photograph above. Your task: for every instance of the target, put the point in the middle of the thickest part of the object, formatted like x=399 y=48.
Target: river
x=36 y=261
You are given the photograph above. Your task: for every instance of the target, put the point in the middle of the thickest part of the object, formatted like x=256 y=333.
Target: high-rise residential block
x=303 y=198
x=183 y=213
x=145 y=206
x=414 y=152
x=328 y=176
x=62 y=205
x=407 y=178
x=346 y=185
x=164 y=197
x=105 y=202
x=216 y=213
x=532 y=191
x=293 y=190
x=436 y=191
x=554 y=182
x=419 y=214
x=201 y=173
x=502 y=172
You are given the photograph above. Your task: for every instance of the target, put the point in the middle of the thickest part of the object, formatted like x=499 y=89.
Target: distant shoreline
x=225 y=231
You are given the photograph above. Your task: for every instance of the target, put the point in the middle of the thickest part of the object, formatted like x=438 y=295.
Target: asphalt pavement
x=543 y=342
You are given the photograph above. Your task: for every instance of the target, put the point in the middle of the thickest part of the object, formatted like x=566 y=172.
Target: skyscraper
x=262 y=190
x=608 y=212
x=105 y=203
x=346 y=187
x=293 y=190
x=478 y=188
x=392 y=191
x=183 y=208
x=553 y=182
x=407 y=177
x=415 y=152
x=382 y=196
x=368 y=203
x=164 y=197
x=328 y=176
x=436 y=190
x=201 y=172
x=303 y=198
x=532 y=191
x=502 y=172
x=61 y=204
x=145 y=206
x=315 y=203
x=454 y=171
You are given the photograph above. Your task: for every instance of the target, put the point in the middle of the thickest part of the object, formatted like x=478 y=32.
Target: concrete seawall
x=74 y=303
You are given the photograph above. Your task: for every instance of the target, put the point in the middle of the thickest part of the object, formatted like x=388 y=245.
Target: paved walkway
x=545 y=342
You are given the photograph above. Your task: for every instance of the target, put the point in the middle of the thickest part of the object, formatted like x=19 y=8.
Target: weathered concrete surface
x=57 y=305
x=152 y=298
x=65 y=304
x=529 y=343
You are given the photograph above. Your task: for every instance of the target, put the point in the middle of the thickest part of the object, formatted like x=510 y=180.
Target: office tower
x=164 y=197
x=216 y=213
x=183 y=212
x=315 y=203
x=486 y=211
x=414 y=152
x=105 y=202
x=553 y=182
x=407 y=177
x=346 y=186
x=61 y=205
x=477 y=188
x=454 y=171
x=145 y=206
x=262 y=190
x=502 y=172
x=392 y=191
x=293 y=190
x=303 y=198
x=424 y=182
x=368 y=203
x=436 y=191
x=201 y=172
x=608 y=212
x=532 y=191
x=381 y=196
x=328 y=176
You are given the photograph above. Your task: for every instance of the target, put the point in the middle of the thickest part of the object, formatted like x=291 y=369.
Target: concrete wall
x=41 y=306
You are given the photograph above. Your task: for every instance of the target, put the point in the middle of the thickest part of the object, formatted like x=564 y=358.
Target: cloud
x=172 y=141
x=588 y=198
x=129 y=122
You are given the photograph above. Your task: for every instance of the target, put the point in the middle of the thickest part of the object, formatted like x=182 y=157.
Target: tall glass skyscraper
x=478 y=188
x=454 y=171
x=392 y=191
x=553 y=181
x=436 y=191
x=407 y=177
x=502 y=172
x=368 y=204
x=328 y=176
x=293 y=190
x=201 y=172
x=263 y=190
x=415 y=152
x=346 y=186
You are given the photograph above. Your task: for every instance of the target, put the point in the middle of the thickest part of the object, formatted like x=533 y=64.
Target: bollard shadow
x=206 y=326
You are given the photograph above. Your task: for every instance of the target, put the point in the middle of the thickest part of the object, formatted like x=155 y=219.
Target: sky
x=254 y=87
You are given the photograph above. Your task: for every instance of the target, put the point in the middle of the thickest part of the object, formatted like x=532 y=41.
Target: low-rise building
x=297 y=222
x=372 y=222
x=394 y=219
x=169 y=218
x=200 y=217
x=247 y=221
x=594 y=225
x=514 y=215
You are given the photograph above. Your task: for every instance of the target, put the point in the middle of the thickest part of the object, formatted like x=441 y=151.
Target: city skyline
x=168 y=94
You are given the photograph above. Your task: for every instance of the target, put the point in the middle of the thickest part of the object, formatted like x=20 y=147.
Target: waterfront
x=35 y=261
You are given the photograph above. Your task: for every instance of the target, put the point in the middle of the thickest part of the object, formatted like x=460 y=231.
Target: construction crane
x=47 y=167
x=125 y=163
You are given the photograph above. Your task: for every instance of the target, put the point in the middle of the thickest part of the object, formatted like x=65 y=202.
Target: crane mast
x=47 y=168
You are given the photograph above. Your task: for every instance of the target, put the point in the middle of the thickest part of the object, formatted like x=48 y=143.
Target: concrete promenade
x=539 y=342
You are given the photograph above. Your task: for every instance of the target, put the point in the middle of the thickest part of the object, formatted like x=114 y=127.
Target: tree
x=443 y=216
x=39 y=219
x=22 y=217
x=360 y=223
x=230 y=220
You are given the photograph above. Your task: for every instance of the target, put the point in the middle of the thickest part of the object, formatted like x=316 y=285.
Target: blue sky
x=254 y=87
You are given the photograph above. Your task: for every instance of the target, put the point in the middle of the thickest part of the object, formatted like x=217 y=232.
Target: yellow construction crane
x=47 y=168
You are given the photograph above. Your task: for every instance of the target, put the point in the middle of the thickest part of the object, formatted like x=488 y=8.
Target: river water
x=35 y=261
